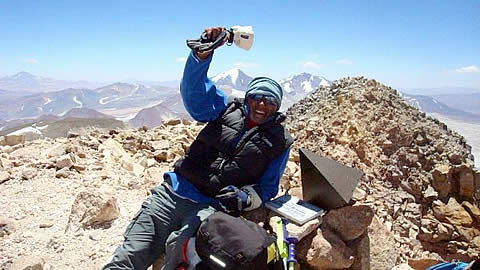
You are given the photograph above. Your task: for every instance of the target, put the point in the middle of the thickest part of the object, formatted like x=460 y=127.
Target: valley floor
x=469 y=130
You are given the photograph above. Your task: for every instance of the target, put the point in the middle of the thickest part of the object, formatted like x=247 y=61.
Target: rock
x=472 y=209
x=7 y=226
x=161 y=156
x=467 y=234
x=294 y=230
x=112 y=150
x=341 y=221
x=455 y=158
x=29 y=173
x=161 y=145
x=64 y=161
x=476 y=173
x=56 y=151
x=12 y=140
x=153 y=176
x=430 y=194
x=466 y=182
x=31 y=263
x=361 y=247
x=72 y=134
x=433 y=231
x=382 y=253
x=172 y=122
x=325 y=250
x=441 y=182
x=62 y=173
x=476 y=241
x=130 y=165
x=4 y=176
x=92 y=207
x=452 y=213
x=422 y=264
x=359 y=194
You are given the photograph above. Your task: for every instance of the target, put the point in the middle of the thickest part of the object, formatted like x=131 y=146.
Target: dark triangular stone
x=325 y=182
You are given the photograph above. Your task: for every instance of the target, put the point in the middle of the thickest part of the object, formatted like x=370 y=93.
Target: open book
x=296 y=210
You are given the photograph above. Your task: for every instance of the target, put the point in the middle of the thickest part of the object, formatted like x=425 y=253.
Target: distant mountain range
x=429 y=104
x=234 y=82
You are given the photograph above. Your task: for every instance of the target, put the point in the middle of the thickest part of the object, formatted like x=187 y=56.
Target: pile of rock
x=419 y=175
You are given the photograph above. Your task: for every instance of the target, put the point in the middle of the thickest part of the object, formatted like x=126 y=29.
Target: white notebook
x=296 y=210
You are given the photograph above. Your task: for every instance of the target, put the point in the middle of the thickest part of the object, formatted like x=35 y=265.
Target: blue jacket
x=204 y=102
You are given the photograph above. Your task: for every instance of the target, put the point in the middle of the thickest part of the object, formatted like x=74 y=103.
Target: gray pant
x=162 y=225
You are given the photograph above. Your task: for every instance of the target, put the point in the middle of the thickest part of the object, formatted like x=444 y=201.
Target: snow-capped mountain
x=26 y=82
x=300 y=85
x=233 y=82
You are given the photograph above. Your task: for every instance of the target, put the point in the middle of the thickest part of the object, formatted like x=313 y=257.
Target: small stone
x=46 y=225
x=4 y=176
x=62 y=173
x=64 y=161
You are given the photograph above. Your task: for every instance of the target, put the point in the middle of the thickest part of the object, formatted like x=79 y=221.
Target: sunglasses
x=266 y=99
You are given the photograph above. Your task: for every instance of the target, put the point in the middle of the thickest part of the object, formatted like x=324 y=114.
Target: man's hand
x=211 y=33
x=233 y=200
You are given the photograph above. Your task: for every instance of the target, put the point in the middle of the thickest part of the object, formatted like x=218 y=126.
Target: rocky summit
x=66 y=202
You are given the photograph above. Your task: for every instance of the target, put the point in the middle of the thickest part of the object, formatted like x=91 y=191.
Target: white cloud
x=344 y=62
x=181 y=59
x=245 y=65
x=312 y=65
x=30 y=60
x=468 y=69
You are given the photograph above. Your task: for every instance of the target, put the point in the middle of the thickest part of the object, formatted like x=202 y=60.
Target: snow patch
x=23 y=106
x=103 y=102
x=324 y=83
x=26 y=130
x=80 y=104
x=307 y=86
x=287 y=88
x=42 y=127
x=47 y=100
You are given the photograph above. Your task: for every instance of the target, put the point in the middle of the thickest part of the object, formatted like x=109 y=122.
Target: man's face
x=260 y=108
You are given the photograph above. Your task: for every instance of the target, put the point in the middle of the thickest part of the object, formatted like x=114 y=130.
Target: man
x=235 y=164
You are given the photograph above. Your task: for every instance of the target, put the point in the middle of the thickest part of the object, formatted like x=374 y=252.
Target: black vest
x=226 y=153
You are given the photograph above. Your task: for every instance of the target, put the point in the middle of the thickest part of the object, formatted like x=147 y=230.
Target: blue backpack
x=448 y=266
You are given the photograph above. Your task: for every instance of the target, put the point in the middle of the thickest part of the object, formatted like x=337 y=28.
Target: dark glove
x=233 y=200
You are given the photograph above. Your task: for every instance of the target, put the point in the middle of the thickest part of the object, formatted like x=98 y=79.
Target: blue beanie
x=265 y=86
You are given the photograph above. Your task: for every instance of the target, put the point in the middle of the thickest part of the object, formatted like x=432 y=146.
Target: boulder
x=92 y=207
x=441 y=180
x=325 y=250
x=466 y=183
x=349 y=222
x=452 y=212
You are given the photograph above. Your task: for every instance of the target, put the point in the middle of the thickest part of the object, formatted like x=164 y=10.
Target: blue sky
x=404 y=44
